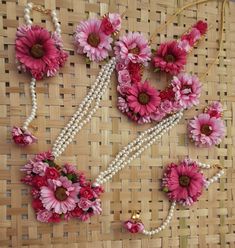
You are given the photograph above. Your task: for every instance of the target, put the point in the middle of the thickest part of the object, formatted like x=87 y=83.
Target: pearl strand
x=34 y=104
x=164 y=224
x=137 y=147
x=82 y=116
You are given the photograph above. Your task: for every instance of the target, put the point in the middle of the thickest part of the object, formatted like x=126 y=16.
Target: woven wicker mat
x=209 y=223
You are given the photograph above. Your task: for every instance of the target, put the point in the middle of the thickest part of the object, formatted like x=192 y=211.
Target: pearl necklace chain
x=83 y=115
x=27 y=10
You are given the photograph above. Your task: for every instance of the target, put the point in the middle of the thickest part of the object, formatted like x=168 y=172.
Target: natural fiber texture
x=209 y=223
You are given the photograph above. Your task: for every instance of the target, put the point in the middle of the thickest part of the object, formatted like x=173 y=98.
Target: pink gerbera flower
x=143 y=99
x=169 y=57
x=205 y=130
x=60 y=195
x=184 y=182
x=90 y=40
x=187 y=89
x=38 y=52
x=133 y=47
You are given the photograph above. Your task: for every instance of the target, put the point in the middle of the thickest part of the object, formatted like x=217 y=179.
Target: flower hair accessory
x=207 y=129
x=41 y=54
x=140 y=101
x=60 y=193
x=93 y=37
x=171 y=55
x=183 y=183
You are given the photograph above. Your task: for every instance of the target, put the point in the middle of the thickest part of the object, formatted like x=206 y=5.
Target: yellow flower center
x=135 y=50
x=143 y=98
x=169 y=58
x=93 y=39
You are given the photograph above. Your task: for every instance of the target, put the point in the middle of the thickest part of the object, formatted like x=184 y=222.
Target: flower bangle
x=183 y=183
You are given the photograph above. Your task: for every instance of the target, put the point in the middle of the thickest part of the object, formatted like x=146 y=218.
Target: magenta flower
x=187 y=89
x=111 y=23
x=60 y=195
x=134 y=226
x=143 y=99
x=169 y=58
x=39 y=52
x=90 y=40
x=215 y=109
x=183 y=183
x=205 y=130
x=22 y=137
x=132 y=47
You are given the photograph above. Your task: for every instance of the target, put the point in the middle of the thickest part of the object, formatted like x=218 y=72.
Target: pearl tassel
x=34 y=104
x=83 y=115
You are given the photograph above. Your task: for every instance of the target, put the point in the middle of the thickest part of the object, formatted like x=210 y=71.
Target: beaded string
x=28 y=8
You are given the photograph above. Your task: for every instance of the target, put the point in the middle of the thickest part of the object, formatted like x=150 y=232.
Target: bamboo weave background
x=209 y=223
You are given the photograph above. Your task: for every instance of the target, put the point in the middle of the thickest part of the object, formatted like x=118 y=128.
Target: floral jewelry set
x=61 y=192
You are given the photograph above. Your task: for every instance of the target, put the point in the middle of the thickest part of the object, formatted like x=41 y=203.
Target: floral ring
x=140 y=101
x=60 y=193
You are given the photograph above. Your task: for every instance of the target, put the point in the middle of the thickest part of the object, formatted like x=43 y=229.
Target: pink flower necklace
x=61 y=192
x=140 y=101
x=41 y=54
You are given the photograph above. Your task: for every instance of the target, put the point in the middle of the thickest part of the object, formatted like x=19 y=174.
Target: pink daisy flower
x=38 y=52
x=187 y=89
x=143 y=99
x=132 y=47
x=205 y=130
x=90 y=40
x=22 y=137
x=215 y=109
x=169 y=57
x=60 y=195
x=183 y=183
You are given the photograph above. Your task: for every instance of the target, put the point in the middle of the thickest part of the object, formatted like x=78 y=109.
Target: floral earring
x=94 y=37
x=171 y=56
x=207 y=129
x=41 y=54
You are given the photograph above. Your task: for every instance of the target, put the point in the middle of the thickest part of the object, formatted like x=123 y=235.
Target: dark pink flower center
x=184 y=181
x=169 y=58
x=135 y=50
x=206 y=129
x=93 y=39
x=60 y=194
x=37 y=51
x=143 y=98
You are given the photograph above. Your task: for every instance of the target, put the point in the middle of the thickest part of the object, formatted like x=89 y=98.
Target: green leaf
x=165 y=189
x=50 y=162
x=157 y=69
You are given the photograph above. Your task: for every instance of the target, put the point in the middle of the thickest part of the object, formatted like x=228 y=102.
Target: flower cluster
x=171 y=56
x=143 y=103
x=38 y=51
x=134 y=226
x=207 y=129
x=60 y=193
x=22 y=137
x=183 y=182
x=93 y=37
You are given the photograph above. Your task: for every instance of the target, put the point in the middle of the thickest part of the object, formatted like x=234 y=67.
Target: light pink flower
x=166 y=106
x=143 y=99
x=183 y=182
x=122 y=105
x=84 y=203
x=124 y=77
x=192 y=37
x=44 y=156
x=134 y=226
x=22 y=137
x=38 y=52
x=206 y=131
x=90 y=40
x=169 y=58
x=96 y=206
x=39 y=168
x=158 y=115
x=60 y=195
x=120 y=65
x=44 y=216
x=132 y=47
x=184 y=45
x=215 y=109
x=187 y=89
